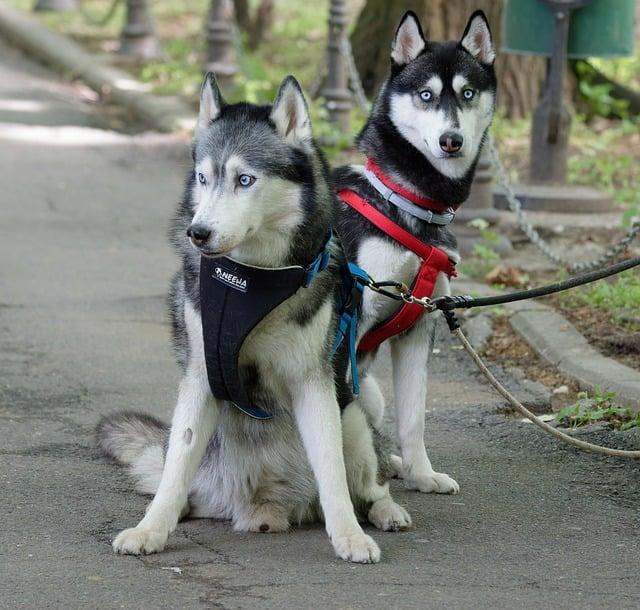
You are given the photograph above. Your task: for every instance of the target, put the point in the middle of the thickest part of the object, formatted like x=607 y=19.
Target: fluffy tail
x=137 y=441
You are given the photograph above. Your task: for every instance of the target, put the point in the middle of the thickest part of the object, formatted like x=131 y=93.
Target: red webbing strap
x=434 y=261
x=386 y=225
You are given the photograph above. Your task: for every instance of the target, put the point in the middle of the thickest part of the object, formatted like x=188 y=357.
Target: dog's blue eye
x=245 y=180
x=426 y=95
x=201 y=178
x=468 y=94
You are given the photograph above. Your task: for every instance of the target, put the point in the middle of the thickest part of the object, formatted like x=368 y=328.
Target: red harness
x=434 y=261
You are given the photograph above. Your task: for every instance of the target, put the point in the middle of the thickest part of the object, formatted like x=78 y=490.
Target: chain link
x=315 y=88
x=354 y=77
x=238 y=47
x=101 y=21
x=515 y=205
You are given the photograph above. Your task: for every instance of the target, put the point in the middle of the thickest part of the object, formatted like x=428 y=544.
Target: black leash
x=449 y=303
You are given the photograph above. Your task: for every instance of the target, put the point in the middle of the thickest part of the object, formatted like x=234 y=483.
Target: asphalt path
x=83 y=332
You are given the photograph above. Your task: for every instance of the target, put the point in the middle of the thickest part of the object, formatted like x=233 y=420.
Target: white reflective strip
x=404 y=204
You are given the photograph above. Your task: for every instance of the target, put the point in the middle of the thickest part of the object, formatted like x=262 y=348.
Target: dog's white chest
x=384 y=260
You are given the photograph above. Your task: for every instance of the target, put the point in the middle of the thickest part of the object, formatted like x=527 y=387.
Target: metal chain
x=354 y=76
x=315 y=88
x=346 y=51
x=99 y=21
x=515 y=205
x=238 y=47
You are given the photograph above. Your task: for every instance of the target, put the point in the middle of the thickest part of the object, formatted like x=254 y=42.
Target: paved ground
x=83 y=332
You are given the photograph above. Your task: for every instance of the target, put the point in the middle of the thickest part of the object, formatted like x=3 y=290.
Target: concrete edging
x=558 y=342
x=63 y=54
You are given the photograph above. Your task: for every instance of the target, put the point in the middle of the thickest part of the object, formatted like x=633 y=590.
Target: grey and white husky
x=425 y=132
x=258 y=192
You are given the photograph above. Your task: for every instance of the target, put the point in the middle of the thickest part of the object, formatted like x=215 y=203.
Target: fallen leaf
x=507 y=276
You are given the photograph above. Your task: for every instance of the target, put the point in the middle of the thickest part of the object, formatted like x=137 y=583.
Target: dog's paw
x=356 y=547
x=435 y=482
x=388 y=516
x=139 y=541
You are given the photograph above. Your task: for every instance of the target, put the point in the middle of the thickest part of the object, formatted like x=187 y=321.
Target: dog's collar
x=421 y=207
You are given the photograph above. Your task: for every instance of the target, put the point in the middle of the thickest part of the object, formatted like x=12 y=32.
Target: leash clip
x=381 y=288
x=425 y=302
x=402 y=293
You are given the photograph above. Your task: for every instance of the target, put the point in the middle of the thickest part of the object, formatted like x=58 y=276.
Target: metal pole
x=138 y=36
x=337 y=92
x=55 y=5
x=220 y=58
x=551 y=124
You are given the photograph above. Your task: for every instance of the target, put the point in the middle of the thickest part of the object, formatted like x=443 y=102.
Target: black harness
x=234 y=298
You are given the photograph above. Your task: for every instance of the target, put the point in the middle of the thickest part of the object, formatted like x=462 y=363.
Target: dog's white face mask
x=443 y=115
x=240 y=209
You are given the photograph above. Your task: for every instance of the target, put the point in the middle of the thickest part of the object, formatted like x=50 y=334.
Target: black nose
x=198 y=234
x=451 y=142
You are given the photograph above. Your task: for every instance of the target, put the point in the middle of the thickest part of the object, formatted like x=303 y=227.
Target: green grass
x=484 y=257
x=608 y=159
x=598 y=407
x=617 y=296
x=623 y=70
x=482 y=260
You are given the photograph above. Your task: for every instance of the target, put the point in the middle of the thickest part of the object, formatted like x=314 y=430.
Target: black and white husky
x=425 y=134
x=258 y=192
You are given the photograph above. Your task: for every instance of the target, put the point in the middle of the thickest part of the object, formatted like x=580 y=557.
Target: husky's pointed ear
x=477 y=39
x=409 y=40
x=290 y=113
x=211 y=102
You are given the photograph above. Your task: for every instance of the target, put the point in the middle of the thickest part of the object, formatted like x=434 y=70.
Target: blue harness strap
x=320 y=263
x=354 y=279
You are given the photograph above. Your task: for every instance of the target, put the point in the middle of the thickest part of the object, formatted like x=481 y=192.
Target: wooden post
x=220 y=57
x=138 y=38
x=336 y=93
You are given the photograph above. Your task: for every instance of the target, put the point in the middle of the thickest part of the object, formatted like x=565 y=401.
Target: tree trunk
x=520 y=77
x=372 y=36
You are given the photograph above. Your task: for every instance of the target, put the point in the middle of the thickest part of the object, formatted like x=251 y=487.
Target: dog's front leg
x=193 y=424
x=410 y=357
x=318 y=418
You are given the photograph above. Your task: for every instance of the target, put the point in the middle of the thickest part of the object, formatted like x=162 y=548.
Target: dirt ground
x=507 y=349
x=610 y=336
